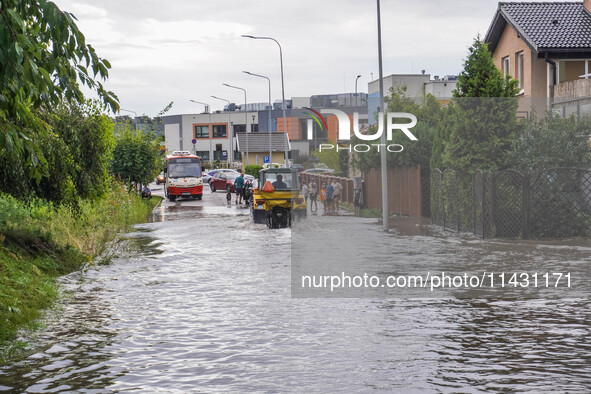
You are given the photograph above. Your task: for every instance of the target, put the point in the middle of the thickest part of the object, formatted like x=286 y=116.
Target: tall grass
x=40 y=241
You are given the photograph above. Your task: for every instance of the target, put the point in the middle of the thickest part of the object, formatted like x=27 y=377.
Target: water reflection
x=201 y=302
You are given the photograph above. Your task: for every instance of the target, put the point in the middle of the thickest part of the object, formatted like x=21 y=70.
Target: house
x=414 y=86
x=545 y=46
x=254 y=147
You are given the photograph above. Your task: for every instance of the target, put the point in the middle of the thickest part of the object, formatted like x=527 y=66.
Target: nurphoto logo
x=344 y=130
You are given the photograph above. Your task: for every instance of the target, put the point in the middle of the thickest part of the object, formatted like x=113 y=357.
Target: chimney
x=587 y=5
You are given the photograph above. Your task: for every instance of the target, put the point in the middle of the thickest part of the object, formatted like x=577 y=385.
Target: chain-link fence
x=553 y=203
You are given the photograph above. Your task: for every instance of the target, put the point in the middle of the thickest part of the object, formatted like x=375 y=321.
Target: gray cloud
x=181 y=50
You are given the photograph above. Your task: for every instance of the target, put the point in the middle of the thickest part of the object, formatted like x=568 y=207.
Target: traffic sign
x=266 y=159
x=224 y=153
x=194 y=141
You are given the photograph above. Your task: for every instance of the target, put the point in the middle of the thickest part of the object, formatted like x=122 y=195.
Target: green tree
x=480 y=124
x=89 y=135
x=76 y=150
x=329 y=157
x=344 y=162
x=481 y=78
x=552 y=142
x=44 y=59
x=428 y=112
x=136 y=157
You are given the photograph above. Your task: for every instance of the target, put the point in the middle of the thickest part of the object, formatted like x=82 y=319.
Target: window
x=520 y=69
x=203 y=154
x=288 y=180
x=219 y=131
x=505 y=66
x=184 y=168
x=201 y=131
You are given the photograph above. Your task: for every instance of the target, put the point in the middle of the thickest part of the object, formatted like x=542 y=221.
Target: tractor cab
x=277 y=200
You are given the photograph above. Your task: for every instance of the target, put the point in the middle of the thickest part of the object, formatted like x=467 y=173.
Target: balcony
x=572 y=91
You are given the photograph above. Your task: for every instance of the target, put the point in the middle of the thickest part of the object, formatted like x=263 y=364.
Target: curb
x=157 y=205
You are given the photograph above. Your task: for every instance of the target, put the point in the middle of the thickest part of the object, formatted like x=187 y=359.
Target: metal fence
x=554 y=203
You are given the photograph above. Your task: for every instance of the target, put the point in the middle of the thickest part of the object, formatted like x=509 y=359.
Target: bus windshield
x=184 y=168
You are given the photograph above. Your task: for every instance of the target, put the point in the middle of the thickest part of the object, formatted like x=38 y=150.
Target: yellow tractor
x=277 y=199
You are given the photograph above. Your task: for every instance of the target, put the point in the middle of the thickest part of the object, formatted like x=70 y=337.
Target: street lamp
x=134 y=117
x=359 y=76
x=270 y=115
x=231 y=132
x=384 y=163
x=208 y=130
x=282 y=85
x=245 y=123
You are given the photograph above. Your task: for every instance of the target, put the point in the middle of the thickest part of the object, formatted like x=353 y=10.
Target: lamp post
x=134 y=116
x=359 y=76
x=270 y=115
x=282 y=86
x=208 y=129
x=230 y=131
x=244 y=164
x=383 y=139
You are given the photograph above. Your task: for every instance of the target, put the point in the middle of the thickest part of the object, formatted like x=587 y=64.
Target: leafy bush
x=253 y=169
x=76 y=156
x=428 y=112
x=480 y=124
x=45 y=60
x=330 y=158
x=136 y=157
x=552 y=142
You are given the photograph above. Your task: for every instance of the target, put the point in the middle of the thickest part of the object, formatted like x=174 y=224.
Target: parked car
x=207 y=177
x=318 y=170
x=223 y=181
x=273 y=165
x=297 y=167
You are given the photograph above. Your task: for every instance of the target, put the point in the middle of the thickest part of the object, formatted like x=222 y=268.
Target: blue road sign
x=266 y=159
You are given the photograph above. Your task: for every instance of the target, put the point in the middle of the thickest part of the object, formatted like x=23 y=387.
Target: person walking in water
x=305 y=192
x=357 y=198
x=313 y=192
x=239 y=186
x=338 y=188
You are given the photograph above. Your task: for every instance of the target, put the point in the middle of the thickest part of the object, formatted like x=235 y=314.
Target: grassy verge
x=40 y=242
x=370 y=213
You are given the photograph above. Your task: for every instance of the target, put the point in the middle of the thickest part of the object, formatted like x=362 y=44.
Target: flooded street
x=202 y=302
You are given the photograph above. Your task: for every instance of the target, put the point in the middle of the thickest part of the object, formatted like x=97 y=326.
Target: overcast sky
x=163 y=51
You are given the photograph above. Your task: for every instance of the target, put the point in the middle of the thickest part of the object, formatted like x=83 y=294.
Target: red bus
x=183 y=176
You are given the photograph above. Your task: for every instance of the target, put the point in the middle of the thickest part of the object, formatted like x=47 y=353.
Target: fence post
x=483 y=189
x=474 y=203
x=443 y=200
x=525 y=205
x=457 y=203
x=493 y=213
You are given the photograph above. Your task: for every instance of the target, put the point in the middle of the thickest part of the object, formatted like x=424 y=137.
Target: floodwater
x=201 y=301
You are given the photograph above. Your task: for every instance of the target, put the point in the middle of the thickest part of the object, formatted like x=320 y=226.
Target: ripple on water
x=205 y=305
